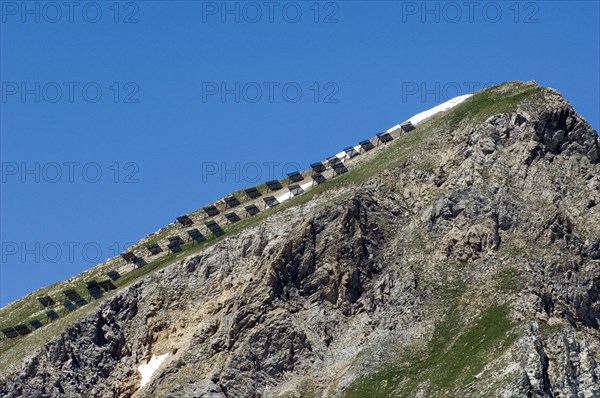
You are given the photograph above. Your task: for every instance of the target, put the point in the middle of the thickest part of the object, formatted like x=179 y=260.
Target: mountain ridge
x=467 y=232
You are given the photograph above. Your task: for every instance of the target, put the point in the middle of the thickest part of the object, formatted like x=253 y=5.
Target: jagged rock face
x=322 y=295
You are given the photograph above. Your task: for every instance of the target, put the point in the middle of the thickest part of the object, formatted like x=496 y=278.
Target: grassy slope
x=498 y=99
x=452 y=359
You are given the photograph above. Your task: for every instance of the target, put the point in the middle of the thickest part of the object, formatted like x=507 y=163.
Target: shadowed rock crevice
x=330 y=258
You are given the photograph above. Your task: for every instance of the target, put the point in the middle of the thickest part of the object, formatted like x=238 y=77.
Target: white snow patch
x=284 y=197
x=288 y=195
x=392 y=129
x=148 y=370
x=437 y=109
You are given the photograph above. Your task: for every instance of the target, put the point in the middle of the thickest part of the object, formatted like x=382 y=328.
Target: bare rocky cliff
x=463 y=262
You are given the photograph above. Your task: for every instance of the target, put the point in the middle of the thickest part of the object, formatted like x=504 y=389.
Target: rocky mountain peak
x=463 y=260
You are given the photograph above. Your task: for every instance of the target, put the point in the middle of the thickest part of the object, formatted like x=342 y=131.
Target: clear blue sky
x=85 y=173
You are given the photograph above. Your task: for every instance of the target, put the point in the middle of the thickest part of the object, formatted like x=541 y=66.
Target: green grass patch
x=492 y=101
x=510 y=280
x=452 y=359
